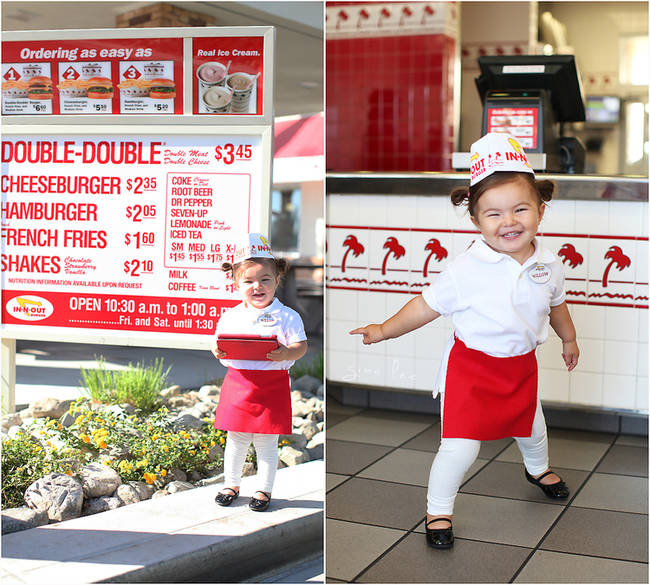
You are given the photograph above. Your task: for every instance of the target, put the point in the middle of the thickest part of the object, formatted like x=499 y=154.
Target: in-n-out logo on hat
x=252 y=246
x=496 y=151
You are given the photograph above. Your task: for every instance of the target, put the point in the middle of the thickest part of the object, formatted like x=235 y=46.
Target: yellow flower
x=19 y=469
x=192 y=452
x=68 y=471
x=149 y=478
x=165 y=448
x=163 y=473
x=154 y=437
x=59 y=427
x=85 y=438
x=78 y=419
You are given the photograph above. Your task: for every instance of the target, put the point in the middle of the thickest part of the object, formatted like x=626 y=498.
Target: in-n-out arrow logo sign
x=132 y=73
x=70 y=74
x=12 y=75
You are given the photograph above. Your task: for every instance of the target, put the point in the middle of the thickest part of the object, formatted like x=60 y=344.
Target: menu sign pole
x=131 y=161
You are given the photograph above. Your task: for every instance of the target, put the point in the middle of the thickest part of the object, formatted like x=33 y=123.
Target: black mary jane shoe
x=258 y=505
x=226 y=499
x=555 y=491
x=440 y=537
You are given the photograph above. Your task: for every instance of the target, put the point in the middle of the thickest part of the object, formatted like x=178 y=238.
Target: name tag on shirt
x=540 y=273
x=267 y=320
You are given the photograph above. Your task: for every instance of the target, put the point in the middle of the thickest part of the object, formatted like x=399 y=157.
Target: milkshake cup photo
x=242 y=85
x=212 y=73
x=217 y=100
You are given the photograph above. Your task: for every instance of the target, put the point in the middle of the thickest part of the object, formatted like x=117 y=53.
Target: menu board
x=228 y=75
x=125 y=233
x=102 y=76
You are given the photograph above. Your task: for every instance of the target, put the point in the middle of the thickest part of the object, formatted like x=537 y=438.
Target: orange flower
x=85 y=438
x=149 y=478
x=163 y=472
x=102 y=445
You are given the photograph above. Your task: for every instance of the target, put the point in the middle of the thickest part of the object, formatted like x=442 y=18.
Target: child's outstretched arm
x=563 y=325
x=411 y=316
x=291 y=352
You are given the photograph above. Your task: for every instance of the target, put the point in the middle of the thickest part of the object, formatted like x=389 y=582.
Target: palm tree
x=353 y=246
x=616 y=256
x=395 y=249
x=437 y=250
x=570 y=254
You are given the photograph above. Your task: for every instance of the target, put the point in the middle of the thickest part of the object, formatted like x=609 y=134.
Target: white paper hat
x=252 y=246
x=496 y=151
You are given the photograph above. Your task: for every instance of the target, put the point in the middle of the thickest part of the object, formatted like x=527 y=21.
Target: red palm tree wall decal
x=437 y=250
x=569 y=253
x=395 y=249
x=617 y=258
x=353 y=246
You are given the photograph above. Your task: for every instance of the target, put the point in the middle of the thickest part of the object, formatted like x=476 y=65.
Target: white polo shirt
x=498 y=306
x=276 y=319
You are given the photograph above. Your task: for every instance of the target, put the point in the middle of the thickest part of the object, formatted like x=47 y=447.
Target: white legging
x=455 y=457
x=266 y=449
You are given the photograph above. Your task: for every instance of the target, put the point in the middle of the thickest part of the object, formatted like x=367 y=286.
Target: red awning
x=297 y=136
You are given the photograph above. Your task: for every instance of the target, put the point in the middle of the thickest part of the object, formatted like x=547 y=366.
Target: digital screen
x=603 y=109
x=521 y=123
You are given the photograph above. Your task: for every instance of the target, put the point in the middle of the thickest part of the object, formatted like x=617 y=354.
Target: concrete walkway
x=176 y=538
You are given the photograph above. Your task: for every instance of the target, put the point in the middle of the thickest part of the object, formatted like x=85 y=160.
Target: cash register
x=531 y=97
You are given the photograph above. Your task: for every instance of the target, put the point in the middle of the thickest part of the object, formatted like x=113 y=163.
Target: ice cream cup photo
x=211 y=73
x=242 y=85
x=217 y=99
x=89 y=70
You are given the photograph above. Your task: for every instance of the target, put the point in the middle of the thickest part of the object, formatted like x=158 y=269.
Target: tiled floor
x=506 y=530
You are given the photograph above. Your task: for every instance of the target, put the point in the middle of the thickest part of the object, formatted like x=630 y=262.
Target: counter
x=389 y=235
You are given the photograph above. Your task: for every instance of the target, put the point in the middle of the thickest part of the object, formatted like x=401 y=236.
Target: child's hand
x=279 y=354
x=570 y=354
x=218 y=353
x=371 y=333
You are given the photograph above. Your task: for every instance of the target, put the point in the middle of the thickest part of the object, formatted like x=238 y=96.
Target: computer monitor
x=556 y=74
x=603 y=109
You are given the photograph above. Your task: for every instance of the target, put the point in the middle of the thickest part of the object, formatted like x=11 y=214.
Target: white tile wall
x=612 y=371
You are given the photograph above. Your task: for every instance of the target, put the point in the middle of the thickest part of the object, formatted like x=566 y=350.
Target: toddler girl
x=501 y=295
x=255 y=400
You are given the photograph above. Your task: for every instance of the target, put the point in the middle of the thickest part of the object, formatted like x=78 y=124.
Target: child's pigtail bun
x=545 y=189
x=282 y=266
x=460 y=197
x=227 y=267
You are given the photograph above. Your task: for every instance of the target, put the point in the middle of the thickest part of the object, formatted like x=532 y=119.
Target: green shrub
x=308 y=368
x=138 y=385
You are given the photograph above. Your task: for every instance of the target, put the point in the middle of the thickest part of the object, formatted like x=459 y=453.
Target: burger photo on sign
x=162 y=89
x=39 y=88
x=99 y=88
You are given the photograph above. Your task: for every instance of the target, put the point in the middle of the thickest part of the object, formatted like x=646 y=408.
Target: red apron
x=255 y=401
x=486 y=397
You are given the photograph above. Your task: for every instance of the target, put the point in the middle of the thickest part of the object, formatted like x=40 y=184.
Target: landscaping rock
x=204 y=408
x=98 y=480
x=145 y=491
x=25 y=414
x=49 y=407
x=320 y=391
x=297 y=441
x=306 y=384
x=100 y=504
x=249 y=469
x=23 y=518
x=300 y=408
x=215 y=452
x=159 y=494
x=128 y=408
x=210 y=480
x=175 y=474
x=209 y=390
x=316 y=447
x=187 y=421
x=178 y=486
x=308 y=430
x=174 y=390
x=292 y=456
x=176 y=401
x=11 y=420
x=60 y=495
x=194 y=476
x=67 y=420
x=127 y=494
x=117 y=410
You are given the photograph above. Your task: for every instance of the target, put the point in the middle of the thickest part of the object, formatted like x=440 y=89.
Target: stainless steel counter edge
x=571 y=187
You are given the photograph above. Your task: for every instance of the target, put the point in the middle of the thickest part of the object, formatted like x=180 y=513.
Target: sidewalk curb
x=177 y=538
